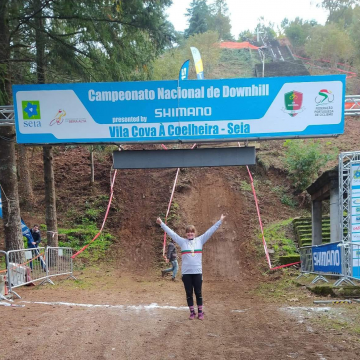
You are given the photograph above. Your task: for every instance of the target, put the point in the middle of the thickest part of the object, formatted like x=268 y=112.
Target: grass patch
x=80 y=236
x=278 y=238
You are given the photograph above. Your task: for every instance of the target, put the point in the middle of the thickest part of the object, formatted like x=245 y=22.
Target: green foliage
x=198 y=14
x=174 y=215
x=80 y=236
x=167 y=66
x=83 y=41
x=246 y=35
x=203 y=18
x=288 y=200
x=304 y=159
x=298 y=30
x=276 y=236
x=219 y=20
x=289 y=259
x=329 y=42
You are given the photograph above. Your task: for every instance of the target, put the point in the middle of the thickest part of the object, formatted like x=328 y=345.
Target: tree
x=331 y=43
x=198 y=15
x=25 y=182
x=219 y=20
x=298 y=30
x=69 y=40
x=8 y=180
x=246 y=35
x=167 y=66
x=9 y=190
x=354 y=31
x=337 y=6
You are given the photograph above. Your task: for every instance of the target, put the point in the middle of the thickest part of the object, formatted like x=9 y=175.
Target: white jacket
x=191 y=250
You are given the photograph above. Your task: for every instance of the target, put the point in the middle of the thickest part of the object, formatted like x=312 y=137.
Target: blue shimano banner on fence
x=197 y=110
x=327 y=258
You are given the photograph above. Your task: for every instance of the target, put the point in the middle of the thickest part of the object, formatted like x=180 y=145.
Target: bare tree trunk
x=50 y=194
x=9 y=184
x=8 y=179
x=50 y=197
x=25 y=183
x=92 y=172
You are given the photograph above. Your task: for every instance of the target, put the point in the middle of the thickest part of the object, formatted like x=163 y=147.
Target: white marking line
x=240 y=311
x=121 y=307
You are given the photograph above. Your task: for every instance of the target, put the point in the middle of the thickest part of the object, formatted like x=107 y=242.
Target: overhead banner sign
x=196 y=111
x=327 y=258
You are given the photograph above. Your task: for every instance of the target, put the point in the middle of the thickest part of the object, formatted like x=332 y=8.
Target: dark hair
x=36 y=225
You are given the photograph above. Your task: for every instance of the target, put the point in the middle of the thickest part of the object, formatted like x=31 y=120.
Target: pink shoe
x=192 y=315
x=201 y=316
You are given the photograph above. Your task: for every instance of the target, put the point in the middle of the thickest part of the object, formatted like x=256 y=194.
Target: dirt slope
x=226 y=253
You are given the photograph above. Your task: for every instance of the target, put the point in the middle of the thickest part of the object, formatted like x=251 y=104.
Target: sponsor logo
x=356 y=228
x=327 y=258
x=31 y=110
x=293 y=103
x=355 y=236
x=356 y=174
x=324 y=102
x=58 y=118
x=355 y=202
x=357 y=209
x=357 y=218
x=325 y=97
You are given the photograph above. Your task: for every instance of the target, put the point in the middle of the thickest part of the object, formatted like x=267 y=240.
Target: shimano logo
x=327 y=258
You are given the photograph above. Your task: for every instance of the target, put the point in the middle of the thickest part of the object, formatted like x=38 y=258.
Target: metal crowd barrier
x=306 y=260
x=350 y=264
x=59 y=262
x=352 y=250
x=3 y=273
x=27 y=266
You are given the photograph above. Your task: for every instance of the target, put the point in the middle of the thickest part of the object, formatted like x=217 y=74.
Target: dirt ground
x=146 y=316
x=138 y=323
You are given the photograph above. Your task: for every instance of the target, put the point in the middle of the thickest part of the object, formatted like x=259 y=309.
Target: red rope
x=105 y=217
x=262 y=228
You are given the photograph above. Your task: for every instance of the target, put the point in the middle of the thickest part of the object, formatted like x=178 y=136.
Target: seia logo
x=293 y=102
x=325 y=97
x=31 y=110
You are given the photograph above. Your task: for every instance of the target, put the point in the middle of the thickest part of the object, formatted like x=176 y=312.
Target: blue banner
x=173 y=111
x=327 y=258
x=184 y=71
x=0 y=206
x=26 y=232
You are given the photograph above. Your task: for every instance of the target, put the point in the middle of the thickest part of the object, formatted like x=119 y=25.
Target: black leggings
x=193 y=282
